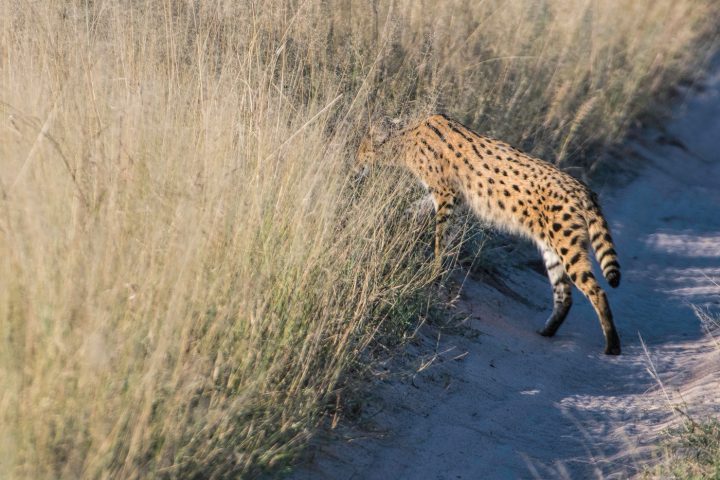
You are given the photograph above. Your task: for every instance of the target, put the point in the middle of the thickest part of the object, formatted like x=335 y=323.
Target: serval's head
x=367 y=155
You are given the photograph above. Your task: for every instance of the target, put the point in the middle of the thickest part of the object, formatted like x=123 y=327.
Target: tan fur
x=516 y=193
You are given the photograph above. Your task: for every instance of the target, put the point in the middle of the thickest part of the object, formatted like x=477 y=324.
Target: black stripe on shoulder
x=459 y=132
x=436 y=131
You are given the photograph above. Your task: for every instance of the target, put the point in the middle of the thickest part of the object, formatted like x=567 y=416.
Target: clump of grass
x=185 y=268
x=692 y=451
x=696 y=452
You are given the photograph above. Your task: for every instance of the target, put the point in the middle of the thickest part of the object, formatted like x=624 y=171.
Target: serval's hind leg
x=578 y=266
x=562 y=292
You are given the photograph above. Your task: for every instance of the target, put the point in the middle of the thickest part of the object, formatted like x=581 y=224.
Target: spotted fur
x=516 y=193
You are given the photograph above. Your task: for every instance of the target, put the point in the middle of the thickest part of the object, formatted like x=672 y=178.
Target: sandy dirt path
x=499 y=401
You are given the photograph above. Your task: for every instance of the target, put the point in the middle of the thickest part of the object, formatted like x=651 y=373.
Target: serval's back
x=516 y=193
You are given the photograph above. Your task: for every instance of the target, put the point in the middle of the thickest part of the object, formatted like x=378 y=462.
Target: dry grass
x=185 y=271
x=692 y=451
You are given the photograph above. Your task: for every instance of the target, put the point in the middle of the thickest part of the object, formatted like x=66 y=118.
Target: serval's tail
x=602 y=243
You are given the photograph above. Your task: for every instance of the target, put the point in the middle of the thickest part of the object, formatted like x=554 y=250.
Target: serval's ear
x=383 y=128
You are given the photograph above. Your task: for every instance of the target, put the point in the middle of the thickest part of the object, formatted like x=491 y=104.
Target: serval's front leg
x=444 y=201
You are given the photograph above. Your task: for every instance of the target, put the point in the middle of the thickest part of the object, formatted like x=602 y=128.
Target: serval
x=514 y=192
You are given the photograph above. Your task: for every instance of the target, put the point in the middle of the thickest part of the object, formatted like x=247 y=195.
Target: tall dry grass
x=185 y=269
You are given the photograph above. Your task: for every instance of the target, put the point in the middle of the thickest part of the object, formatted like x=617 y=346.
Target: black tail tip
x=613 y=278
